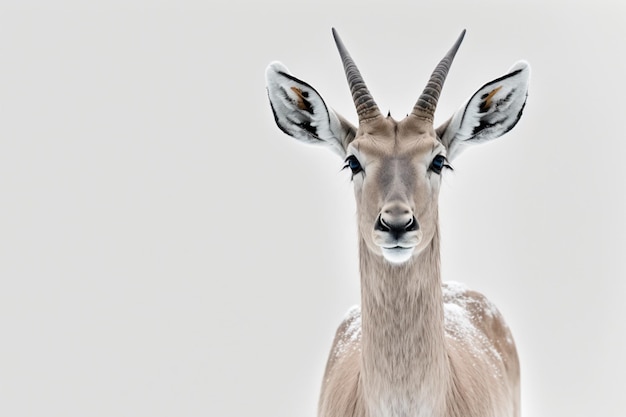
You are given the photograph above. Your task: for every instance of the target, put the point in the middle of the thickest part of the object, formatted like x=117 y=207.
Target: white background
x=166 y=251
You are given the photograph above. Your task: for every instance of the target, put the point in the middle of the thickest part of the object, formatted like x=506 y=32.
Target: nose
x=396 y=218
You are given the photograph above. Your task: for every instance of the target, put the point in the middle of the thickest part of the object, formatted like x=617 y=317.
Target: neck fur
x=405 y=370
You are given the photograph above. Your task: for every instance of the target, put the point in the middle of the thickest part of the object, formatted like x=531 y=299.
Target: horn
x=365 y=105
x=427 y=103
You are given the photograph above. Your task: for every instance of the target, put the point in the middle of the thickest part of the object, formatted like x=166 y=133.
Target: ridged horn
x=427 y=103
x=365 y=105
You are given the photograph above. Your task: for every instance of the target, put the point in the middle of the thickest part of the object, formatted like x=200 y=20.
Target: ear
x=300 y=111
x=491 y=112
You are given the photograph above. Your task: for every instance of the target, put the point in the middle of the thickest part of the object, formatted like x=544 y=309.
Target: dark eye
x=353 y=164
x=438 y=164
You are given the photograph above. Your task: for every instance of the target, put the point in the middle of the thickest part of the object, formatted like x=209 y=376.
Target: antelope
x=417 y=346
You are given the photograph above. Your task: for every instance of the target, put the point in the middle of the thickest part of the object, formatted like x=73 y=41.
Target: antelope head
x=396 y=166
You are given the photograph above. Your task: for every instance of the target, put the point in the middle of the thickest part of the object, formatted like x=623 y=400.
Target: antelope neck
x=404 y=361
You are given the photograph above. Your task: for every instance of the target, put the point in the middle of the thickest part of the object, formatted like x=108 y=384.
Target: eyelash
x=353 y=164
x=437 y=165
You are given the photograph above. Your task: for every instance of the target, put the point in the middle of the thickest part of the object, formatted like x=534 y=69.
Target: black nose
x=396 y=229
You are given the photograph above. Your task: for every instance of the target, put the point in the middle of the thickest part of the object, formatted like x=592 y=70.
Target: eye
x=438 y=164
x=353 y=164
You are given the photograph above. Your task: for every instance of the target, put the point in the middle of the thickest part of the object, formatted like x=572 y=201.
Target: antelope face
x=396 y=170
x=396 y=166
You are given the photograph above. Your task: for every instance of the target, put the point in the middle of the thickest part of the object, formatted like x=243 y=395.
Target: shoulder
x=348 y=335
x=341 y=379
x=469 y=314
x=475 y=329
x=457 y=297
x=473 y=321
x=345 y=352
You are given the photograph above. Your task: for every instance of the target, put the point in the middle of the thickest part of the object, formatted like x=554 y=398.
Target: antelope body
x=416 y=346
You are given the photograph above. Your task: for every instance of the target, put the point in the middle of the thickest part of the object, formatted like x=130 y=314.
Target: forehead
x=396 y=139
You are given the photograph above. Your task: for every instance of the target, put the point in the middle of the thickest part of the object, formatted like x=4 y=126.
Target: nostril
x=412 y=225
x=381 y=225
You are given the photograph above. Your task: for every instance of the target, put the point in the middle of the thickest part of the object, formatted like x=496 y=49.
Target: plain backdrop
x=165 y=250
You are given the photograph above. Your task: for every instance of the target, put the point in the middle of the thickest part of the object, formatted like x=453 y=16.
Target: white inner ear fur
x=490 y=112
x=300 y=111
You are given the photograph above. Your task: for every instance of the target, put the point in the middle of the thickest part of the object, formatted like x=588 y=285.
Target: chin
x=397 y=256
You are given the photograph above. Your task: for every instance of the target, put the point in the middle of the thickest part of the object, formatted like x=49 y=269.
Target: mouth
x=397 y=254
